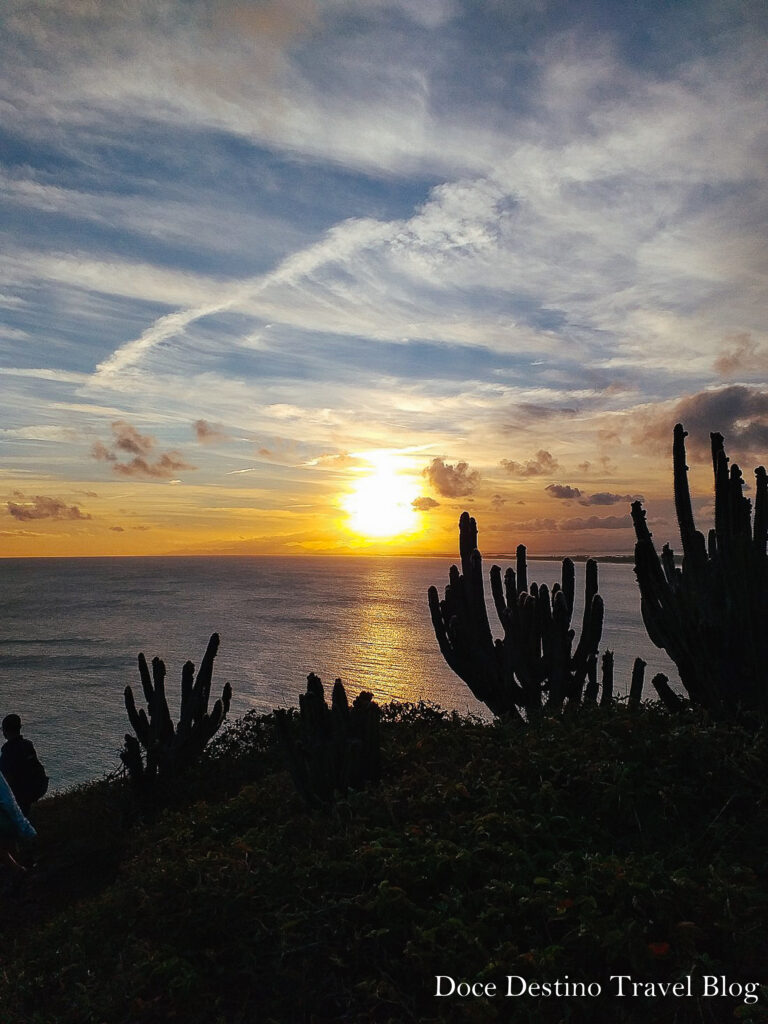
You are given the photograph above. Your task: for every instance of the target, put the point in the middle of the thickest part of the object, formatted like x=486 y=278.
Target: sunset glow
x=381 y=503
x=510 y=245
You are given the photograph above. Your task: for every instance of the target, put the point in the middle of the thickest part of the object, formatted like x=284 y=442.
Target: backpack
x=37 y=780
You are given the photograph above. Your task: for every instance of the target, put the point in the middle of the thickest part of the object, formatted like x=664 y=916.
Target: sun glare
x=380 y=505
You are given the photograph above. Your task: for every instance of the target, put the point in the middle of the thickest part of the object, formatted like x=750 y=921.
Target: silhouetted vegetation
x=330 y=749
x=710 y=615
x=169 y=750
x=533 y=665
x=608 y=843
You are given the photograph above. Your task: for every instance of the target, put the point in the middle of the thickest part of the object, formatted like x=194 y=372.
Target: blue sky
x=466 y=234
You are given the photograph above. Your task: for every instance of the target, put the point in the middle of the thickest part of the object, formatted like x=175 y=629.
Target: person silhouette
x=20 y=765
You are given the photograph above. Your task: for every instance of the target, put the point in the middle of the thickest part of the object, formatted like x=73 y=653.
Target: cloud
x=738 y=412
x=340 y=460
x=596 y=523
x=607 y=498
x=498 y=501
x=536 y=526
x=164 y=467
x=42 y=507
x=40 y=433
x=117 y=529
x=101 y=452
x=424 y=504
x=563 y=491
x=451 y=481
x=743 y=355
x=126 y=438
x=542 y=464
x=208 y=433
x=606 y=467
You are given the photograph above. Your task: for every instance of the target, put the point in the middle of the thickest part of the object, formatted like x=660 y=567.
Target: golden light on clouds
x=381 y=502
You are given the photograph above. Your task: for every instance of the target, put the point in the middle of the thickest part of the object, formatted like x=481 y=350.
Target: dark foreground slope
x=611 y=843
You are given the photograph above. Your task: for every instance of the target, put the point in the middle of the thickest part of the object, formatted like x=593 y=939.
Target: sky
x=314 y=276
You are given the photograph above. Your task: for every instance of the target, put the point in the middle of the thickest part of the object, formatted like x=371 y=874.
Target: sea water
x=71 y=628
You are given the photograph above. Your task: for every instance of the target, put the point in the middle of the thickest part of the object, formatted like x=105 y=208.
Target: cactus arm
x=146 y=682
x=522 y=569
x=497 y=590
x=636 y=685
x=159 y=714
x=760 y=536
x=568 y=576
x=202 y=689
x=667 y=695
x=692 y=540
x=138 y=719
x=606 y=697
x=186 y=709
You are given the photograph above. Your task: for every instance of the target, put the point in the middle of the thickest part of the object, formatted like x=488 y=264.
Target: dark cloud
x=128 y=439
x=100 y=451
x=209 y=433
x=738 y=412
x=424 y=504
x=451 y=481
x=596 y=523
x=542 y=464
x=117 y=529
x=162 y=468
x=743 y=356
x=42 y=507
x=498 y=501
x=606 y=498
x=563 y=491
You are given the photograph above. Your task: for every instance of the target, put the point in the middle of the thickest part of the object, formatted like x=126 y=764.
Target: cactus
x=168 y=749
x=710 y=614
x=338 y=747
x=533 y=666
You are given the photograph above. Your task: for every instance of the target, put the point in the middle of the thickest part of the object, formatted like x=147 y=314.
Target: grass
x=607 y=842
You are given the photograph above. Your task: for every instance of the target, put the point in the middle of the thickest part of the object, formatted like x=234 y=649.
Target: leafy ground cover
x=607 y=843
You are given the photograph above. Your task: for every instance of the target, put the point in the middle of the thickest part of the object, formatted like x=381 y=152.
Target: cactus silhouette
x=337 y=748
x=710 y=614
x=168 y=750
x=534 y=665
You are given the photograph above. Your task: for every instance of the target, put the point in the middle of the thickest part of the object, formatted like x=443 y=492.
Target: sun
x=381 y=502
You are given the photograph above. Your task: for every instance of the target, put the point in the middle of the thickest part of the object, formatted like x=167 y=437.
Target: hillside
x=607 y=843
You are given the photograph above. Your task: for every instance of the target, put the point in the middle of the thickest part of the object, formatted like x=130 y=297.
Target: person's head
x=11 y=726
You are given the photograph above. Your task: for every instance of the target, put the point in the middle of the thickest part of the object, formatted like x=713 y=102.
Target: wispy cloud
x=516 y=233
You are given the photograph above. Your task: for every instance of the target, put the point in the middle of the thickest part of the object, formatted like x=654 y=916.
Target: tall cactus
x=337 y=748
x=533 y=666
x=168 y=749
x=711 y=614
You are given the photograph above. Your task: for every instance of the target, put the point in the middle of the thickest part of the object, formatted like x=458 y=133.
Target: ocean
x=71 y=628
